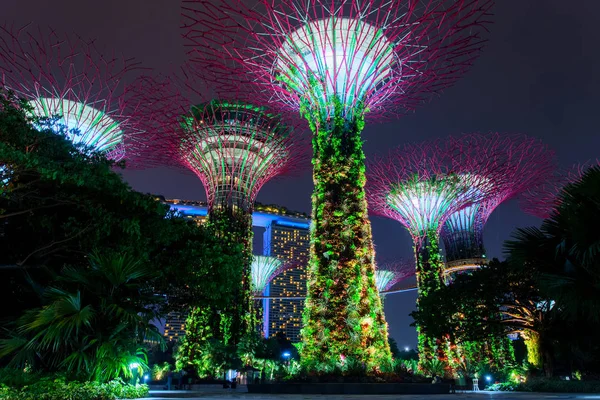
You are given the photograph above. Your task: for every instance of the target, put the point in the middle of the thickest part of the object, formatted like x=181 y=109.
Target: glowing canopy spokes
x=421 y=185
x=237 y=152
x=388 y=274
x=264 y=270
x=67 y=77
x=234 y=147
x=93 y=127
x=383 y=56
x=523 y=162
x=342 y=57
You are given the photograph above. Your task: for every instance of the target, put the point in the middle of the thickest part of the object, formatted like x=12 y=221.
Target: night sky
x=536 y=76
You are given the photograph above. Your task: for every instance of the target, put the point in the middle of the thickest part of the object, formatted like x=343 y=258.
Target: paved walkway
x=240 y=393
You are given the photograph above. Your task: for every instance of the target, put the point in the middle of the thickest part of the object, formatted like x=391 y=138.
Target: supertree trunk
x=429 y=267
x=233 y=225
x=343 y=318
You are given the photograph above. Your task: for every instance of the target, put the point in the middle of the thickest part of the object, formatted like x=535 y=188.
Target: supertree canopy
x=421 y=186
x=525 y=162
x=390 y=273
x=264 y=269
x=69 y=82
x=335 y=62
x=234 y=148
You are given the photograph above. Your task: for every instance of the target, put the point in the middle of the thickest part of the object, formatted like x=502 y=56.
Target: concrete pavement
x=240 y=393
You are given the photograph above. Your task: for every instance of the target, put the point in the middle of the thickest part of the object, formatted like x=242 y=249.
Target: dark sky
x=538 y=76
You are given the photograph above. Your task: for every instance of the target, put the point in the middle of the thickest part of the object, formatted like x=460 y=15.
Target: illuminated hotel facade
x=285 y=315
x=286 y=236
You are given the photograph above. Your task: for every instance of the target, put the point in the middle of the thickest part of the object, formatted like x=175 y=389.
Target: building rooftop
x=263 y=215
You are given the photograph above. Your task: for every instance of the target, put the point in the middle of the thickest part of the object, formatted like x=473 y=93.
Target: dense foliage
x=20 y=385
x=343 y=316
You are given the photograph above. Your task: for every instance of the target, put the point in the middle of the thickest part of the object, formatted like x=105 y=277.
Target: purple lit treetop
x=525 y=162
x=421 y=185
x=234 y=147
x=375 y=55
x=67 y=77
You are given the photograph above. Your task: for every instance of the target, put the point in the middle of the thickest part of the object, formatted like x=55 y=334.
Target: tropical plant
x=565 y=251
x=433 y=367
x=92 y=324
x=160 y=371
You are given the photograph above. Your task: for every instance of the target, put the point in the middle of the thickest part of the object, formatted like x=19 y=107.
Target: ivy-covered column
x=429 y=268
x=343 y=317
x=233 y=225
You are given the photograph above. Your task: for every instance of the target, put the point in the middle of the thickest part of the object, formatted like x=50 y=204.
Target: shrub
x=559 y=386
x=548 y=385
x=20 y=386
x=503 y=387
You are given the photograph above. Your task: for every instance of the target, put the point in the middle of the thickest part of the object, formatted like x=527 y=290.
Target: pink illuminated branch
x=526 y=162
x=67 y=77
x=386 y=56
x=542 y=200
x=390 y=273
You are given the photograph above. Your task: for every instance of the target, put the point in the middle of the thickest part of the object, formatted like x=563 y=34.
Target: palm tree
x=93 y=322
x=564 y=254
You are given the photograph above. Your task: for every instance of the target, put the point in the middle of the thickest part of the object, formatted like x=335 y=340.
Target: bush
x=15 y=386
x=548 y=385
x=559 y=386
x=504 y=387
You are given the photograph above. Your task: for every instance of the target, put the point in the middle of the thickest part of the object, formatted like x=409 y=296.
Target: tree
x=565 y=250
x=62 y=201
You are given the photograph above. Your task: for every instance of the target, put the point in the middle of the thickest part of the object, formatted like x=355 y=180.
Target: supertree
x=526 y=162
x=234 y=147
x=390 y=273
x=420 y=186
x=264 y=269
x=337 y=62
x=67 y=78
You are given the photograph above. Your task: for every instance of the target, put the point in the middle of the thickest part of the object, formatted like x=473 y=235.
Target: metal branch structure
x=386 y=56
x=525 y=162
x=544 y=198
x=420 y=186
x=234 y=147
x=390 y=273
x=337 y=62
x=67 y=78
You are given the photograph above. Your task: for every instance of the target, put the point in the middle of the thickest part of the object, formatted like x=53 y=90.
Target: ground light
x=337 y=63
